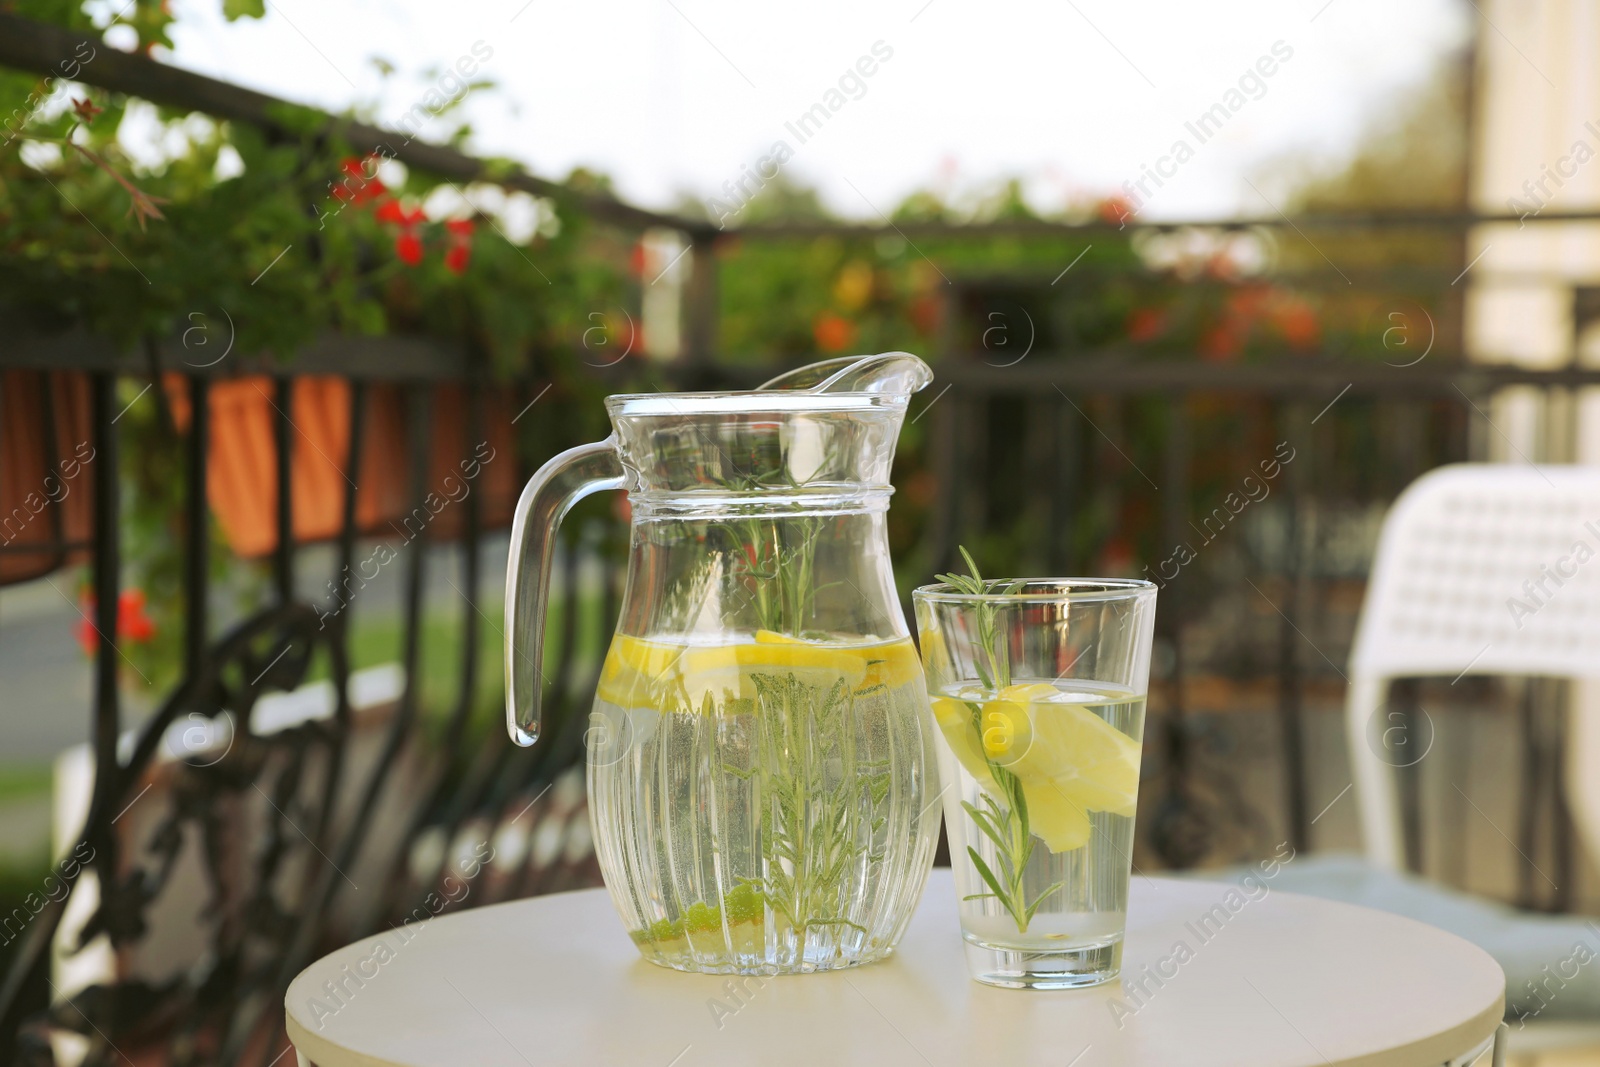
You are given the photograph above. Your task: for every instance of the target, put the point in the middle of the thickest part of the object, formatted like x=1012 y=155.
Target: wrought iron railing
x=281 y=816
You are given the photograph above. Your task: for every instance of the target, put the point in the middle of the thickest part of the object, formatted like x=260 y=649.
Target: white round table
x=1279 y=981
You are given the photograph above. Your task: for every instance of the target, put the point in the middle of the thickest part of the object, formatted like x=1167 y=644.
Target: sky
x=675 y=97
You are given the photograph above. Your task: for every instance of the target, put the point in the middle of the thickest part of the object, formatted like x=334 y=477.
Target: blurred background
x=1205 y=287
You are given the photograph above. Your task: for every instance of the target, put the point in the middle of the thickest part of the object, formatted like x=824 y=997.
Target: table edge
x=1439 y=1047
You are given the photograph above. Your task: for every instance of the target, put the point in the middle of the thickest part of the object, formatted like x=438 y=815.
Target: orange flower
x=833 y=334
x=1298 y=323
x=1115 y=209
x=1248 y=302
x=1145 y=324
x=1221 y=344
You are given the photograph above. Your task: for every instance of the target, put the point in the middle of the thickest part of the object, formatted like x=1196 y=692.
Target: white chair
x=1480 y=569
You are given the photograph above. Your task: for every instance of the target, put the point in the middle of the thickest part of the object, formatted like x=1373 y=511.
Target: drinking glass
x=1038 y=690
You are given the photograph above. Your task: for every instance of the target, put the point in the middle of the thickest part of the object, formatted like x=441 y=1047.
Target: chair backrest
x=1487 y=569
x=1480 y=569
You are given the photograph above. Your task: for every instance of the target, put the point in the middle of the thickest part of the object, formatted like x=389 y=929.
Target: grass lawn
x=24 y=781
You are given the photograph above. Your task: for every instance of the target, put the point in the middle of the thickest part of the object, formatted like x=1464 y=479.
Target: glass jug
x=761 y=772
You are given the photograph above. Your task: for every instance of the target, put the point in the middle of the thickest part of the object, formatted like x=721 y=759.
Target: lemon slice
x=1070 y=762
x=671 y=676
x=889 y=665
x=1056 y=816
x=1082 y=754
x=637 y=672
x=1006 y=725
x=955 y=723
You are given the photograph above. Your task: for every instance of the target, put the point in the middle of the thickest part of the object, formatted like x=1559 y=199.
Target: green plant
x=232 y=239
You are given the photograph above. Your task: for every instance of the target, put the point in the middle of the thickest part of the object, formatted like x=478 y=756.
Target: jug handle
x=545 y=501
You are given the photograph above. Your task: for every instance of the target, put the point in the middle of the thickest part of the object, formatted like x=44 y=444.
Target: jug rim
x=753 y=402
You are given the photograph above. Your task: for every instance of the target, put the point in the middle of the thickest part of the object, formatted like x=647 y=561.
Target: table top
x=1280 y=980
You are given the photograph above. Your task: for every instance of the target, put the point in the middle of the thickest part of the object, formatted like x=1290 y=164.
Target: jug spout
x=885 y=374
x=825 y=429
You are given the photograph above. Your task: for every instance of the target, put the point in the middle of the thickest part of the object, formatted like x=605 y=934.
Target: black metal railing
x=1047 y=438
x=1259 y=588
x=318 y=813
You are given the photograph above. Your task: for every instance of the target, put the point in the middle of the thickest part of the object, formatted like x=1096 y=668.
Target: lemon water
x=1071 y=750
x=769 y=802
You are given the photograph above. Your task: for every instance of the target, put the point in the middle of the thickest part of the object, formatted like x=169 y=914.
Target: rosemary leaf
x=986 y=874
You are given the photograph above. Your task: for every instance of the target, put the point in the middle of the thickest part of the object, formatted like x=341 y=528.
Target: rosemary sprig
x=773 y=559
x=996 y=651
x=813 y=823
x=1005 y=824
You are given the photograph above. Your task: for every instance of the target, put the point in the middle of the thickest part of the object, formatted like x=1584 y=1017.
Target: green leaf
x=233 y=10
x=989 y=829
x=1019 y=800
x=987 y=875
x=1040 y=899
x=971 y=566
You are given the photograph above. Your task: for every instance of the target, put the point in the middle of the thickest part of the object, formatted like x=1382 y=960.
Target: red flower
x=132 y=622
x=359 y=187
x=460 y=251
x=921 y=488
x=390 y=211
x=924 y=313
x=1145 y=324
x=833 y=334
x=408 y=246
x=1221 y=344
x=85 y=110
x=1116 y=557
x=636 y=259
